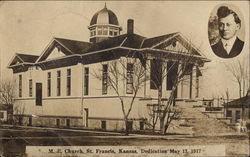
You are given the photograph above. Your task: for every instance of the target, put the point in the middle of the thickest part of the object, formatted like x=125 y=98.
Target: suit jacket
x=235 y=51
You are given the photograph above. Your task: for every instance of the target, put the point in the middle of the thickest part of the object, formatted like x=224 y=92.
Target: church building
x=68 y=84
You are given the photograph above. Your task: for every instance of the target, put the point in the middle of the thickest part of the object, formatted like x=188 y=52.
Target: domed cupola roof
x=104 y=16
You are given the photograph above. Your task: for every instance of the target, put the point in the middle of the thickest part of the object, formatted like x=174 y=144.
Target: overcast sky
x=28 y=27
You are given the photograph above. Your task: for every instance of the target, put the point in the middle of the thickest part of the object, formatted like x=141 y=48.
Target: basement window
x=104 y=124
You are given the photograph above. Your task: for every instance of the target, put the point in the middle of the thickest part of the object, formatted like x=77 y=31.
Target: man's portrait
x=227 y=44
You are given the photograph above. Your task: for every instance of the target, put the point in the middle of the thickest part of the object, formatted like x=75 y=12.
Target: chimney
x=130 y=26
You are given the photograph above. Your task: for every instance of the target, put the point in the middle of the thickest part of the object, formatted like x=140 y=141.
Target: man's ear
x=238 y=26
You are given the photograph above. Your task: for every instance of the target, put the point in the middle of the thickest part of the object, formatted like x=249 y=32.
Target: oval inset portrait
x=226 y=31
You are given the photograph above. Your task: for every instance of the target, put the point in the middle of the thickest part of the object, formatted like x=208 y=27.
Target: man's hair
x=224 y=11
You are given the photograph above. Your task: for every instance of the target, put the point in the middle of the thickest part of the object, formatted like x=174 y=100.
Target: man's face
x=228 y=27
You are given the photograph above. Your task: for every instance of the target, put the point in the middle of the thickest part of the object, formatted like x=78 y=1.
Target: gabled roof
x=149 y=42
x=27 y=58
x=23 y=59
x=69 y=47
x=75 y=49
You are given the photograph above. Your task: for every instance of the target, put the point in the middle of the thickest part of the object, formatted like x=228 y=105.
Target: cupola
x=103 y=25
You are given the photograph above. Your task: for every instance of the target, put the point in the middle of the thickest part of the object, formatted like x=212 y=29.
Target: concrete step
x=201 y=124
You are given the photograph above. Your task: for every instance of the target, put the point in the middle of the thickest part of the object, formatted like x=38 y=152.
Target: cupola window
x=105 y=30
x=99 y=30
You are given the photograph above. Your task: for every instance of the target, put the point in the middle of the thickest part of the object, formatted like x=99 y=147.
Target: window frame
x=130 y=78
x=30 y=87
x=20 y=93
x=49 y=84
x=105 y=79
x=58 y=83
x=86 y=81
x=68 y=82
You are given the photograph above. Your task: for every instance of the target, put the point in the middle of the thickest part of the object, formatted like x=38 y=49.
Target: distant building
x=234 y=109
x=58 y=88
x=6 y=113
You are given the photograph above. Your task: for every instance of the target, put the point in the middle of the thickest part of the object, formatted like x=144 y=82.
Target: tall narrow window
x=191 y=86
x=172 y=69
x=49 y=84
x=86 y=81
x=129 y=89
x=20 y=85
x=39 y=94
x=58 y=83
x=104 y=79
x=155 y=74
x=30 y=87
x=68 y=82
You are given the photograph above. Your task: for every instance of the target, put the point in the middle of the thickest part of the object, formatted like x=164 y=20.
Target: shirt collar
x=229 y=42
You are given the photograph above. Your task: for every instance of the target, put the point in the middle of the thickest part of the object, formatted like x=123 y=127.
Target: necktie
x=227 y=47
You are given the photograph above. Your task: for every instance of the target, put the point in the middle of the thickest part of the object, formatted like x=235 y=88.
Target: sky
x=29 y=26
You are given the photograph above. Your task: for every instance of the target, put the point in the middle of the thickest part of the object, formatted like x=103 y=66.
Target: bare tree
x=131 y=70
x=7 y=93
x=7 y=97
x=240 y=73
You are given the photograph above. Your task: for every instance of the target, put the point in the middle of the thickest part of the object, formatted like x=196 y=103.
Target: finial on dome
x=105 y=6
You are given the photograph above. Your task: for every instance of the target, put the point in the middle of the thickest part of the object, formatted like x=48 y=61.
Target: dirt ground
x=14 y=141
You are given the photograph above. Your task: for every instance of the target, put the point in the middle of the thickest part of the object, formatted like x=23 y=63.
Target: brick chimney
x=130 y=26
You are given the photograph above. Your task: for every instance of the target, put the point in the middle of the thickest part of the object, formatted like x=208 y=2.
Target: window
x=58 y=83
x=49 y=84
x=105 y=30
x=20 y=85
x=155 y=74
x=141 y=125
x=172 y=69
x=30 y=87
x=237 y=116
x=229 y=113
x=99 y=30
x=86 y=81
x=39 y=94
x=104 y=79
x=129 y=89
x=30 y=121
x=103 y=124
x=92 y=32
x=111 y=33
x=68 y=123
x=115 y=33
x=58 y=123
x=130 y=125
x=1 y=115
x=68 y=82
